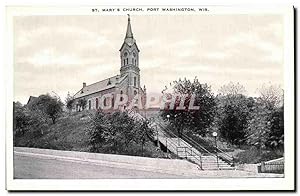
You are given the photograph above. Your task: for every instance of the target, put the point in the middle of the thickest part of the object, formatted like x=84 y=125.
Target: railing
x=219 y=153
x=188 y=140
x=272 y=166
x=188 y=150
x=225 y=156
x=193 y=149
x=168 y=142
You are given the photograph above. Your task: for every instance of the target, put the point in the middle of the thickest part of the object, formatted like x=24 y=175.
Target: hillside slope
x=69 y=133
x=72 y=133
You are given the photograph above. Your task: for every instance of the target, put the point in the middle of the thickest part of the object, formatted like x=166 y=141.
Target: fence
x=276 y=166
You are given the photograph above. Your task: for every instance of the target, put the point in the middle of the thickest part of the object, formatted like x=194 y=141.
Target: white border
x=286 y=183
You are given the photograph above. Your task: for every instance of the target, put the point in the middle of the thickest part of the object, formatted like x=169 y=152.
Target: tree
x=259 y=124
x=271 y=95
x=69 y=102
x=118 y=133
x=232 y=89
x=266 y=128
x=47 y=105
x=82 y=103
x=190 y=120
x=233 y=112
x=276 y=136
x=144 y=133
x=21 y=120
x=26 y=120
x=100 y=126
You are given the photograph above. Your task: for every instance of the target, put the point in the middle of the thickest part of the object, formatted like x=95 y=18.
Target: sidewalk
x=167 y=166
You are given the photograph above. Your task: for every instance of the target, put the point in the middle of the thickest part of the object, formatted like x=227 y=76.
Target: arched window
x=124 y=61
x=134 y=61
x=105 y=102
x=97 y=103
x=134 y=81
x=127 y=61
x=121 y=97
x=90 y=105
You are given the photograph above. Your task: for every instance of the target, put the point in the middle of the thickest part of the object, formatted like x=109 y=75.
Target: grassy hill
x=71 y=132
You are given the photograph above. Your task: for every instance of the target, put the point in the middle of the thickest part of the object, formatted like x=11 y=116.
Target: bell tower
x=129 y=55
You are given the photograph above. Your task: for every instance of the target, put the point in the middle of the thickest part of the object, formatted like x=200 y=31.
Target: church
x=107 y=91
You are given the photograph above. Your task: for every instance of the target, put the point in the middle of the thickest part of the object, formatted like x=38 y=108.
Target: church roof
x=98 y=86
x=31 y=99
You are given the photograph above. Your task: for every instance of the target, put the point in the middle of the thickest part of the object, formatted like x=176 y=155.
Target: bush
x=26 y=120
x=20 y=120
x=255 y=155
x=48 y=106
x=118 y=133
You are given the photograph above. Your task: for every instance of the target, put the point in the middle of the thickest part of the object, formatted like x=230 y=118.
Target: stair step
x=184 y=150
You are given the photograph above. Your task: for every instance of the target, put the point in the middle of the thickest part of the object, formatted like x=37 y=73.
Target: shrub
x=27 y=121
x=118 y=133
x=45 y=105
x=255 y=155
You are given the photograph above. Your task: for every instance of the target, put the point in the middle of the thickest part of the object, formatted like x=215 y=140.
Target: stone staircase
x=184 y=150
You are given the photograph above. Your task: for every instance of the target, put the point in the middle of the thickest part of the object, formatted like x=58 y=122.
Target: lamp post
x=178 y=130
x=215 y=134
x=168 y=117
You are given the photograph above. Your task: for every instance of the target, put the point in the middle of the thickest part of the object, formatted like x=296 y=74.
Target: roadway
x=35 y=167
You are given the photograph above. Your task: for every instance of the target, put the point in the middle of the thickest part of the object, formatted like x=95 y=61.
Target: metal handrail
x=223 y=154
x=190 y=148
x=196 y=144
x=166 y=132
x=168 y=141
x=190 y=140
x=227 y=156
x=190 y=153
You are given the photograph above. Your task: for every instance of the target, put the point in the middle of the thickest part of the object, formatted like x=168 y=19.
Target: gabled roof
x=31 y=99
x=98 y=86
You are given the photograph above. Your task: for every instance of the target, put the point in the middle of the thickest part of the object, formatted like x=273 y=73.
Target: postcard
x=138 y=98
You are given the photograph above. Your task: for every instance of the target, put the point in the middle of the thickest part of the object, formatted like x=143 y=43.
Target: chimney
x=84 y=85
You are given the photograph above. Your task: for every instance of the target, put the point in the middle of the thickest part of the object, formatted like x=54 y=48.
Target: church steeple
x=129 y=31
x=129 y=56
x=129 y=40
x=129 y=51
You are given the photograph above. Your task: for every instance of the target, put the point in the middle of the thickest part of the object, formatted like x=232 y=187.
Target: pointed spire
x=129 y=31
x=129 y=40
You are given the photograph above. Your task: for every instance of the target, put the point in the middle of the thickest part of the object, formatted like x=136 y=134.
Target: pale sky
x=58 y=53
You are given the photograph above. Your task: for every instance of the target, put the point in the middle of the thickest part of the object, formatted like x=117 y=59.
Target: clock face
x=125 y=54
